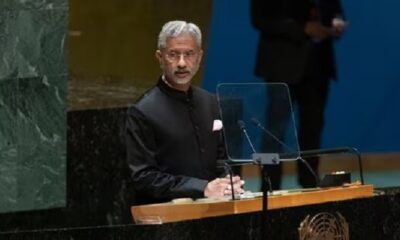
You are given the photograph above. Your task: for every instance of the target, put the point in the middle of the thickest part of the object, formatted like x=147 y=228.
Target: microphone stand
x=310 y=153
x=262 y=160
x=315 y=175
x=265 y=189
x=229 y=169
x=318 y=152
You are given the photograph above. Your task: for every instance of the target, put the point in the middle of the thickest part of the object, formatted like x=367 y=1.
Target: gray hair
x=178 y=28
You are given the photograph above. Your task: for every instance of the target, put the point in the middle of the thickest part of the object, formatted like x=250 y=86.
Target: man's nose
x=181 y=61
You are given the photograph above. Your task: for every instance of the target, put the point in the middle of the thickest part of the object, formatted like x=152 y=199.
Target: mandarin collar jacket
x=172 y=150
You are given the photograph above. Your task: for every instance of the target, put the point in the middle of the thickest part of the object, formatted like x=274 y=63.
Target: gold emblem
x=324 y=226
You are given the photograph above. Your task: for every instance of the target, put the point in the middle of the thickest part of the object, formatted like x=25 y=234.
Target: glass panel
x=257 y=118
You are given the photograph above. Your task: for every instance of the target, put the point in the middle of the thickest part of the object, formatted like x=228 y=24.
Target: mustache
x=182 y=71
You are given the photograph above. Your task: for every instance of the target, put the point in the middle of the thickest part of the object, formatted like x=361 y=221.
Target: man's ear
x=200 y=55
x=158 y=55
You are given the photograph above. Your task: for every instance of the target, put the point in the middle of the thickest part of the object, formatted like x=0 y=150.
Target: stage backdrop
x=363 y=109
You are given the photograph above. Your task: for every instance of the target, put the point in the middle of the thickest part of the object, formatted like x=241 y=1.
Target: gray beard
x=182 y=81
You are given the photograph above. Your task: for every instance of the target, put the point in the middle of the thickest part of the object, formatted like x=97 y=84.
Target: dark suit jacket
x=285 y=52
x=171 y=146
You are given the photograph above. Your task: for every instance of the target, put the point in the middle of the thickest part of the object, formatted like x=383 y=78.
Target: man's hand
x=339 y=26
x=317 y=31
x=220 y=187
x=237 y=185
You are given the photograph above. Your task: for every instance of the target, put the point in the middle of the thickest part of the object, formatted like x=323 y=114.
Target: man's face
x=180 y=59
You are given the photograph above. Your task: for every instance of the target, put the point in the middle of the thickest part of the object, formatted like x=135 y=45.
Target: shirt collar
x=174 y=93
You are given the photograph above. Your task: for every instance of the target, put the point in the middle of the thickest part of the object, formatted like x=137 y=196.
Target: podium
x=174 y=212
x=376 y=217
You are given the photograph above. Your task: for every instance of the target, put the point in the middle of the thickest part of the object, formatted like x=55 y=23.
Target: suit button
x=202 y=150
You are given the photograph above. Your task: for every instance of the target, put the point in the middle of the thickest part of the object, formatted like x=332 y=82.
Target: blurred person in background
x=296 y=47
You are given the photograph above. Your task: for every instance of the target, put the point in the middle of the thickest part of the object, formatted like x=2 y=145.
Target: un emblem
x=324 y=226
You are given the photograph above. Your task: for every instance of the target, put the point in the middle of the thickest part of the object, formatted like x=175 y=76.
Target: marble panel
x=8 y=112
x=41 y=148
x=8 y=144
x=41 y=110
x=99 y=187
x=41 y=177
x=33 y=143
x=32 y=103
x=34 y=43
x=34 y=4
x=8 y=181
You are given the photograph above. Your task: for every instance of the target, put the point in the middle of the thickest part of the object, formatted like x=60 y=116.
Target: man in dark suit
x=173 y=132
x=296 y=48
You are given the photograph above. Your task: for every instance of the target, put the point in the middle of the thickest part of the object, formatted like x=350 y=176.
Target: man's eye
x=190 y=54
x=172 y=54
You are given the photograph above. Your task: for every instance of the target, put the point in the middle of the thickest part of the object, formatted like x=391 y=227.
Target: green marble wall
x=33 y=77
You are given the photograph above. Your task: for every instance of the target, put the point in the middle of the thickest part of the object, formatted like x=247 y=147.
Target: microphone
x=306 y=153
x=318 y=152
x=227 y=167
x=260 y=126
x=294 y=154
x=242 y=127
x=264 y=174
x=315 y=175
x=260 y=160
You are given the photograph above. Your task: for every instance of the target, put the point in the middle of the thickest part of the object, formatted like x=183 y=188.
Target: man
x=173 y=138
x=295 y=47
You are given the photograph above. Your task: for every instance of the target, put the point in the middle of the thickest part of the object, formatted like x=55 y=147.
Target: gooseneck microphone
x=266 y=184
x=260 y=126
x=298 y=155
x=243 y=128
x=318 y=152
x=311 y=170
x=229 y=169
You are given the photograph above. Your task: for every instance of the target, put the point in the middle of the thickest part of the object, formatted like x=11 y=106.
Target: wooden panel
x=172 y=212
x=305 y=198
